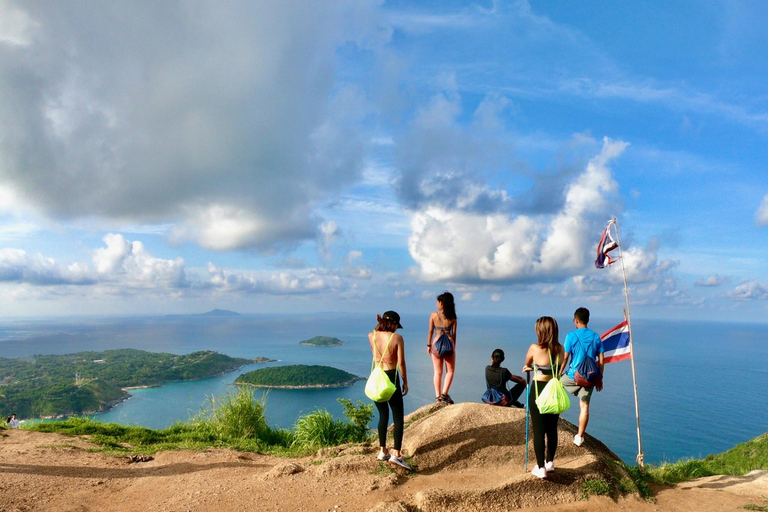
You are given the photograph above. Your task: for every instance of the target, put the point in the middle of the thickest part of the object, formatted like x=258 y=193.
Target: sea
x=702 y=386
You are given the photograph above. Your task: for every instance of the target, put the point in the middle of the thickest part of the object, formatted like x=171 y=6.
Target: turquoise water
x=692 y=400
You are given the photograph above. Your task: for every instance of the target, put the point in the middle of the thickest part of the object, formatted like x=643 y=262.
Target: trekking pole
x=527 y=394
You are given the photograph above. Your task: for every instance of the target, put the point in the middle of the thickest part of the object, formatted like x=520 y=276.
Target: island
x=261 y=360
x=322 y=341
x=44 y=386
x=298 y=376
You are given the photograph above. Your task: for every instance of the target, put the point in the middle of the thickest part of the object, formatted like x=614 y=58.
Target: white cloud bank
x=124 y=267
x=457 y=245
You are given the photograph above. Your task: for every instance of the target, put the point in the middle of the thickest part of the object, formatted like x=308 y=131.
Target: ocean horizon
x=690 y=406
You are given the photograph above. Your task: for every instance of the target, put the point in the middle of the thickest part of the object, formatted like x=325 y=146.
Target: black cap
x=391 y=315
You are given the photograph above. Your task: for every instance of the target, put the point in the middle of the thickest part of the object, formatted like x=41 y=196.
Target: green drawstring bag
x=379 y=388
x=553 y=398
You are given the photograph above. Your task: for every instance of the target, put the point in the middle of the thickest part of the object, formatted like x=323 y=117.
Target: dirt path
x=42 y=472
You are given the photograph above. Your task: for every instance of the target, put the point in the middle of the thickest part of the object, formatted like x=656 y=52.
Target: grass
x=595 y=486
x=236 y=421
x=739 y=460
x=752 y=506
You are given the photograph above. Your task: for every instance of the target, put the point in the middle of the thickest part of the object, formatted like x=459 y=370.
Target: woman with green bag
x=389 y=354
x=543 y=358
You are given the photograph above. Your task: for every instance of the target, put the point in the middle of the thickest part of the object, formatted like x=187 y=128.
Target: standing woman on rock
x=389 y=348
x=543 y=355
x=443 y=321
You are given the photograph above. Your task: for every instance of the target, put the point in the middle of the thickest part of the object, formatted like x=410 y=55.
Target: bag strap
x=552 y=367
x=385 y=349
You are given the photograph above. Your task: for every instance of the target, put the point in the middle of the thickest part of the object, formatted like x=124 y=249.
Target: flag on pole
x=616 y=343
x=606 y=245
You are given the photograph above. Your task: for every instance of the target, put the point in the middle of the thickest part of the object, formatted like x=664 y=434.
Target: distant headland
x=298 y=376
x=213 y=312
x=323 y=341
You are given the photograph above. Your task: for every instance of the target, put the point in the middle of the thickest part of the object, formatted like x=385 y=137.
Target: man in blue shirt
x=581 y=343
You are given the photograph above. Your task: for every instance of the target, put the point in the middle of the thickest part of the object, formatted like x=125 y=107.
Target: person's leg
x=450 y=364
x=550 y=430
x=437 y=365
x=583 y=416
x=396 y=403
x=516 y=391
x=537 y=424
x=383 y=409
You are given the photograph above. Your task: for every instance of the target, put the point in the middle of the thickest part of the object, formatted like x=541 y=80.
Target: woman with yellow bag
x=389 y=355
x=545 y=400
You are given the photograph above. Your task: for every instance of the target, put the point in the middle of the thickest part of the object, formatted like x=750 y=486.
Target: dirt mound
x=469 y=456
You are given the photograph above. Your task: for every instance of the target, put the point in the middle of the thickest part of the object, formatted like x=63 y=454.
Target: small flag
x=616 y=343
x=606 y=245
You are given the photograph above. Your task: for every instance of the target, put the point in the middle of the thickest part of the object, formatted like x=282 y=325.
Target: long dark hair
x=547 y=334
x=449 y=307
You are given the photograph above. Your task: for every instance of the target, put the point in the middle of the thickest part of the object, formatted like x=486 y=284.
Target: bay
x=691 y=401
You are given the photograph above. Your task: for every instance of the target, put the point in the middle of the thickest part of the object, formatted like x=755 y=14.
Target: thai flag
x=606 y=245
x=616 y=343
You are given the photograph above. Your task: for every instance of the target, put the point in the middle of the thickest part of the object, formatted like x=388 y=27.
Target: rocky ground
x=470 y=457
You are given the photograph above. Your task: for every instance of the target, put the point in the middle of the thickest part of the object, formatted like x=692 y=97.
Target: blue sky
x=365 y=155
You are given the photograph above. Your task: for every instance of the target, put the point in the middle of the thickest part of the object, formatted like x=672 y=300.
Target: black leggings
x=396 y=403
x=543 y=425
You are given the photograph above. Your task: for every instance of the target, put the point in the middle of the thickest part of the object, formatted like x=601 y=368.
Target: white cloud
x=402 y=294
x=297 y=282
x=713 y=280
x=495 y=297
x=751 y=290
x=465 y=246
x=228 y=121
x=18 y=266
x=467 y=296
x=761 y=215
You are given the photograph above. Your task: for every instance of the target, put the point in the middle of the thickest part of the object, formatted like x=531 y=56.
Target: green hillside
x=53 y=385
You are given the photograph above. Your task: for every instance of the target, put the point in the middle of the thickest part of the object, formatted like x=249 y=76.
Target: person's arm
x=515 y=378
x=563 y=366
x=431 y=331
x=601 y=362
x=455 y=327
x=401 y=363
x=528 y=360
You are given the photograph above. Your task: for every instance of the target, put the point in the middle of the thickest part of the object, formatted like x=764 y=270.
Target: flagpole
x=640 y=457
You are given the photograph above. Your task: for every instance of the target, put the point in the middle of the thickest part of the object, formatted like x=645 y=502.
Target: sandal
x=446 y=398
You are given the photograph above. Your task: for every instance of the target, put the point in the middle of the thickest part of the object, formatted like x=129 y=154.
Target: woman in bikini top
x=443 y=321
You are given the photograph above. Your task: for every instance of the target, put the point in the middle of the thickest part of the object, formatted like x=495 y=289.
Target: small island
x=262 y=360
x=89 y=382
x=322 y=341
x=298 y=376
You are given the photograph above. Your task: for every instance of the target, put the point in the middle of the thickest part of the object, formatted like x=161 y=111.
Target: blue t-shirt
x=579 y=343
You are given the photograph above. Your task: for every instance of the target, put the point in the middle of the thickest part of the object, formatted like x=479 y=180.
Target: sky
x=359 y=156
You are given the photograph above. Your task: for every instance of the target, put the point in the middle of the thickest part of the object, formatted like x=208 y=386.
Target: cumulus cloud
x=751 y=290
x=124 y=267
x=226 y=119
x=713 y=280
x=761 y=215
x=451 y=244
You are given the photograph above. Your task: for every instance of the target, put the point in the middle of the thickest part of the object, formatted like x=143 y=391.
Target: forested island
x=322 y=341
x=298 y=376
x=88 y=382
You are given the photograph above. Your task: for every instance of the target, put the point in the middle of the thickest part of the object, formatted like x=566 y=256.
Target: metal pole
x=527 y=394
x=640 y=457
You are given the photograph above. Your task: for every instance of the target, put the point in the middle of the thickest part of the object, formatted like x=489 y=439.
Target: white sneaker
x=399 y=461
x=578 y=440
x=539 y=472
x=549 y=466
x=382 y=456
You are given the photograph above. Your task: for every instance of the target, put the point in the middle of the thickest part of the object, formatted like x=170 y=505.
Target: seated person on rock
x=497 y=377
